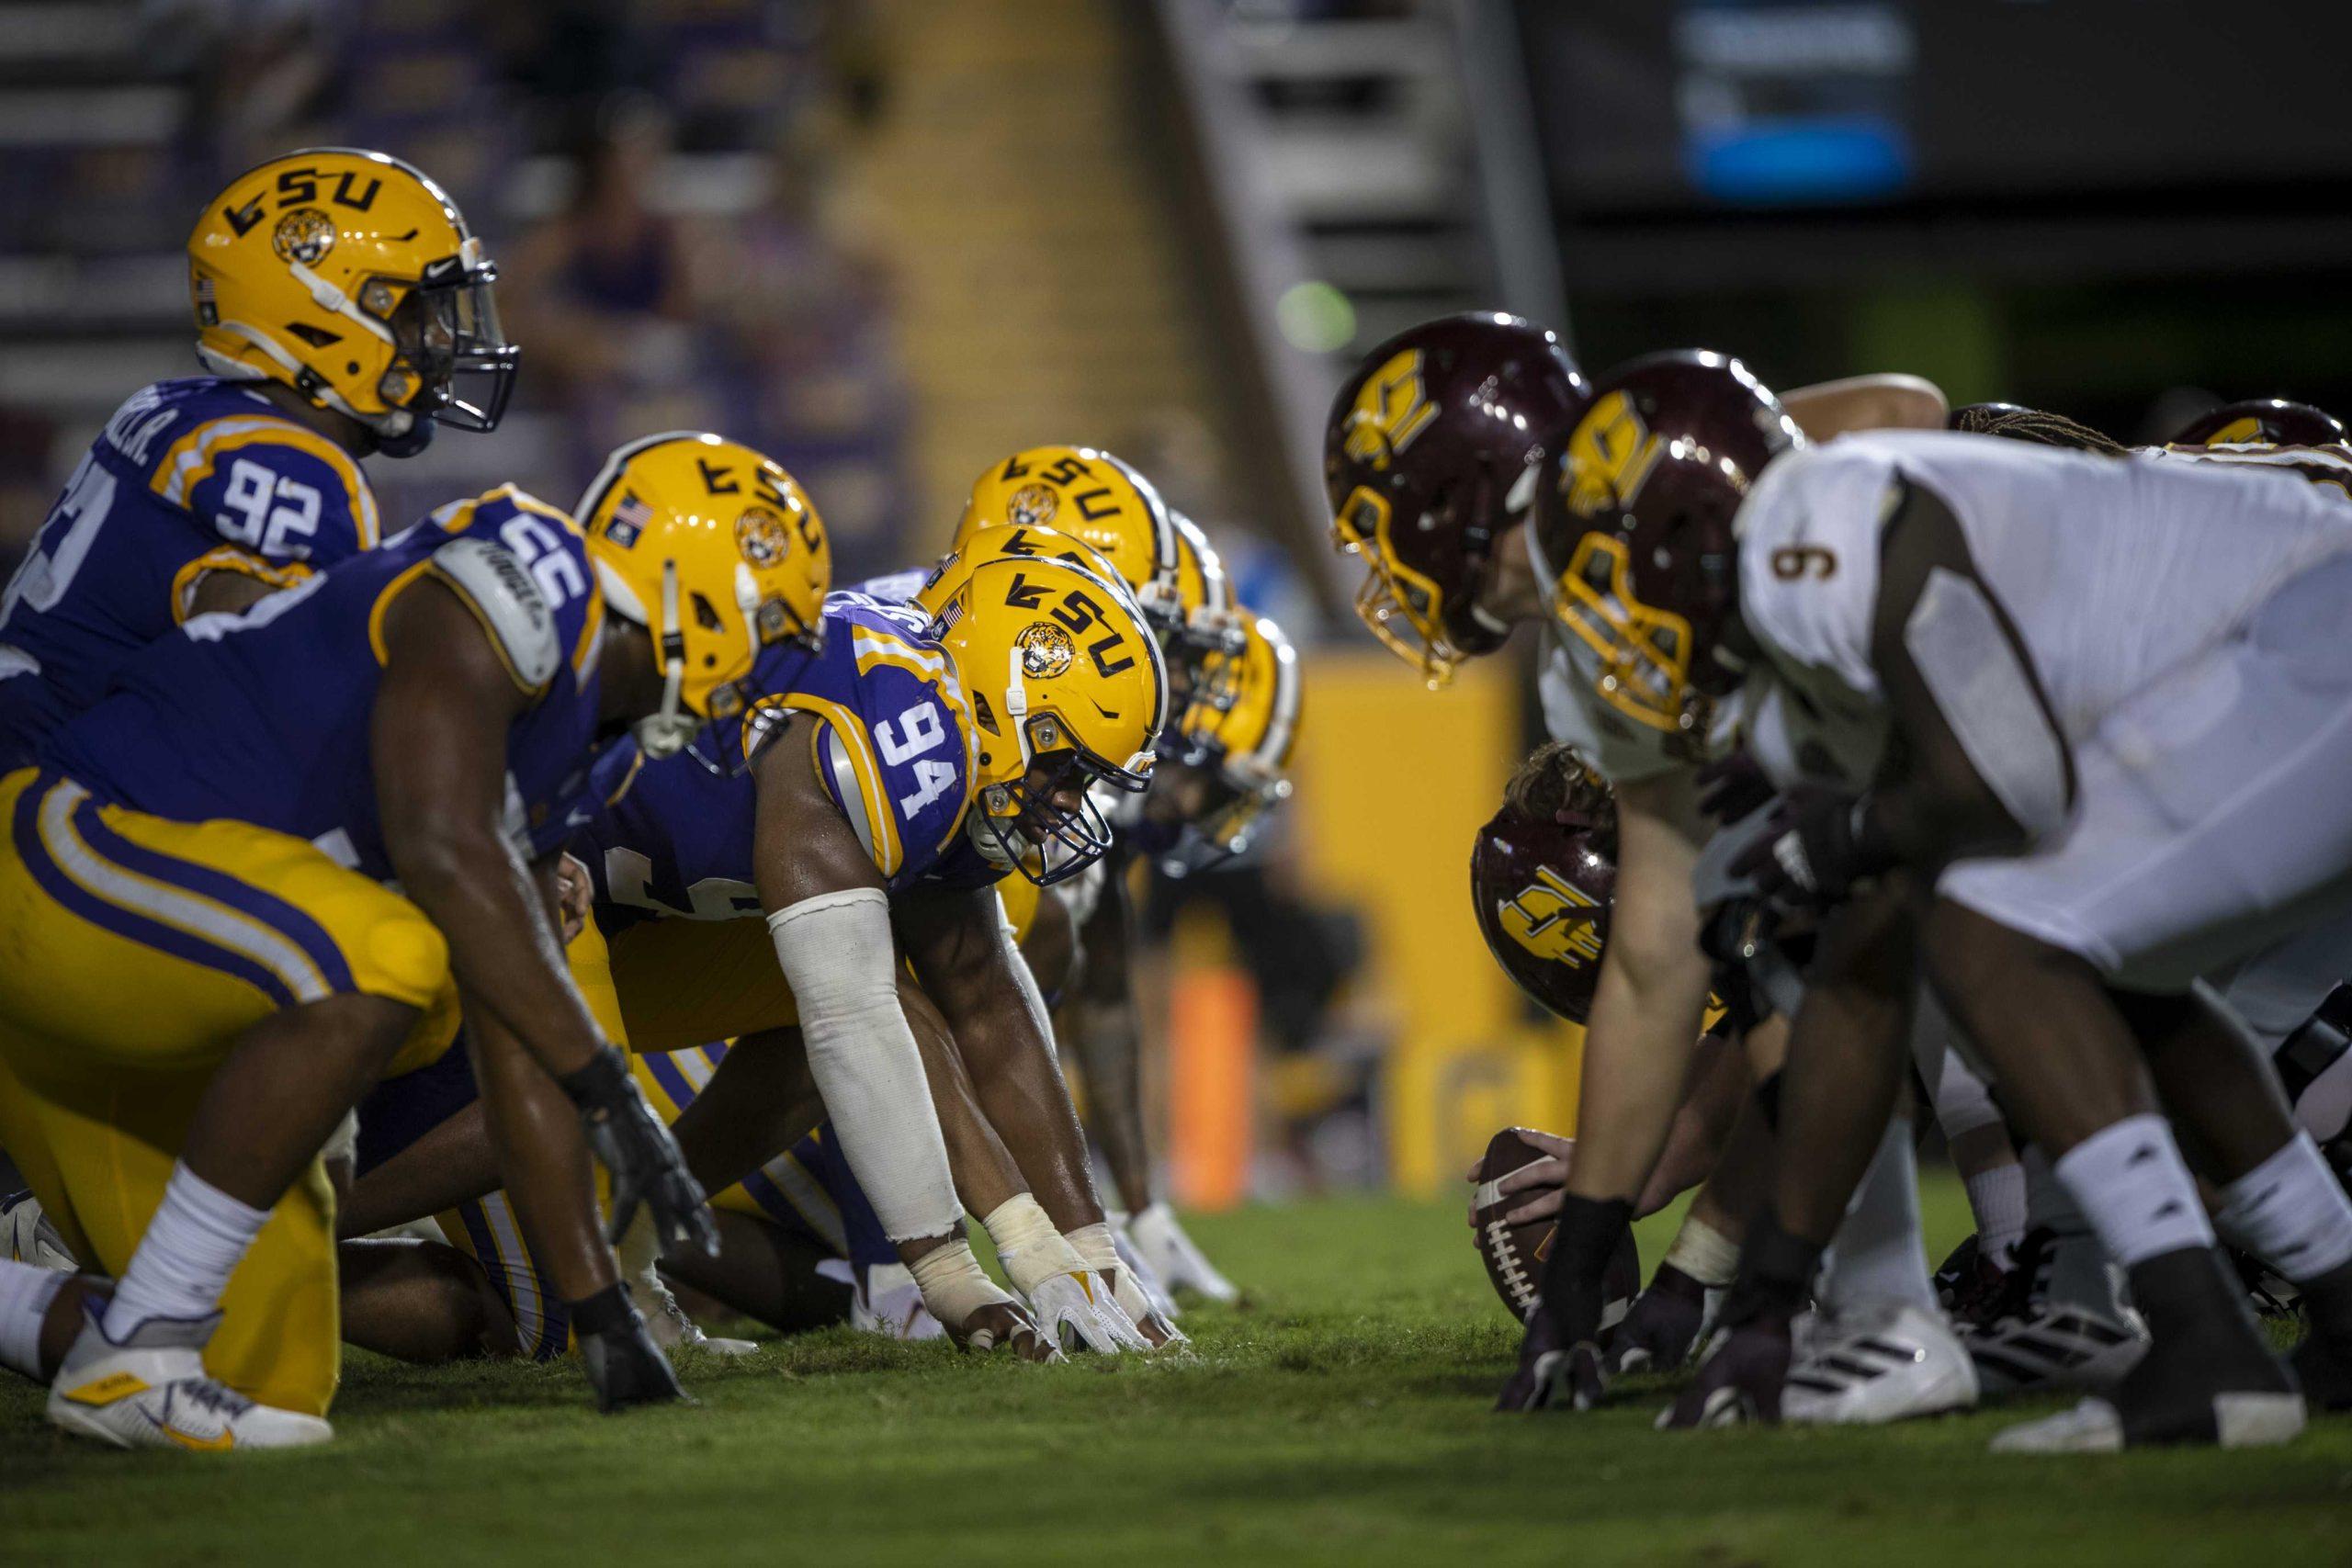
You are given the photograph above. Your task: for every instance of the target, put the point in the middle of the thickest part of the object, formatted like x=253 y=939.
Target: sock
x=195 y=1242
x=2289 y=1213
x=25 y=1291
x=2135 y=1189
x=1878 y=1256
x=1997 y=1198
x=2073 y=1269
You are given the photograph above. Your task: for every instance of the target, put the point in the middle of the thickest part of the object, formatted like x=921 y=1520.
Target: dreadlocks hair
x=1556 y=785
x=2037 y=425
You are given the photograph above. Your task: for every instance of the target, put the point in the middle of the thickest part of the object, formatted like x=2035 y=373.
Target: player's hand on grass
x=617 y=1350
x=1556 y=1371
x=1740 y=1381
x=1660 y=1327
x=646 y=1166
x=1003 y=1324
x=1079 y=1311
x=1541 y=1180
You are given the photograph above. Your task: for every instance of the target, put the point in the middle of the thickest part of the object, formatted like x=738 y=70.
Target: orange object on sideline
x=1212 y=1076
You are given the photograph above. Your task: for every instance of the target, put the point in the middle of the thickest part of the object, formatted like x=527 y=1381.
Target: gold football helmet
x=716 y=551
x=1203 y=592
x=1097 y=500
x=1240 y=729
x=352 y=278
x=1068 y=690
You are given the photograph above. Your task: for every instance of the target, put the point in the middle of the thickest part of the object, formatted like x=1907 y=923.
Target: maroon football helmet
x=1424 y=442
x=1543 y=874
x=1633 y=536
x=2261 y=422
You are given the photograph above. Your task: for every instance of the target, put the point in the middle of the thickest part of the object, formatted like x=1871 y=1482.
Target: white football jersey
x=2112 y=571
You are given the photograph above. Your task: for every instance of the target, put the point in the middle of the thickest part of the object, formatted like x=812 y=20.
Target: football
x=1513 y=1254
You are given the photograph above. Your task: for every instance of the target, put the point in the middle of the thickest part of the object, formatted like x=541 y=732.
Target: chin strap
x=665 y=733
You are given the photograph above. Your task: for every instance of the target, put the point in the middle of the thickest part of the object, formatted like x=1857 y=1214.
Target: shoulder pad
x=509 y=604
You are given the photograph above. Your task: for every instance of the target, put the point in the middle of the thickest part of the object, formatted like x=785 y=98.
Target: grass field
x=1340 y=1417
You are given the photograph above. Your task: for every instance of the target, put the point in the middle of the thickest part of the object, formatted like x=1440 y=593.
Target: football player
x=1434 y=453
x=209 y=963
x=1224 y=768
x=1912 y=593
x=343 y=308
x=1166 y=561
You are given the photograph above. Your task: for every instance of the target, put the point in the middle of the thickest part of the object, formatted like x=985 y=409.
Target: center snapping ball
x=1514 y=1253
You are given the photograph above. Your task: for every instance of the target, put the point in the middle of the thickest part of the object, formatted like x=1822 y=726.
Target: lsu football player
x=1434 y=455
x=1839 y=576
x=874 y=779
x=1224 y=768
x=209 y=965
x=1117 y=516
x=343 y=307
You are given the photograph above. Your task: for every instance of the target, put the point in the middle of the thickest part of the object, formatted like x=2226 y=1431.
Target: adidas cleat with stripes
x=150 y=1392
x=2053 y=1346
x=1865 y=1368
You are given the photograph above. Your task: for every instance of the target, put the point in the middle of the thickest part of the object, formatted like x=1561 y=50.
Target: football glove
x=1813 y=852
x=1662 y=1324
x=1559 y=1357
x=646 y=1166
x=1078 y=1311
x=623 y=1363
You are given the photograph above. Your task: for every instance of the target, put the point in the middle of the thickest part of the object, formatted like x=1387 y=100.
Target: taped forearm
x=837 y=953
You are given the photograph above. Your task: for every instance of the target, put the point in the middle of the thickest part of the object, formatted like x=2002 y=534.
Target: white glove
x=1077 y=1310
x=1171 y=1255
x=1062 y=1288
x=1099 y=1245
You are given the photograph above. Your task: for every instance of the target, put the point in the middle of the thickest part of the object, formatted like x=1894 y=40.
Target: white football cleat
x=887 y=1302
x=671 y=1329
x=2055 y=1346
x=1160 y=1238
x=26 y=1236
x=1863 y=1369
x=2094 y=1426
x=150 y=1392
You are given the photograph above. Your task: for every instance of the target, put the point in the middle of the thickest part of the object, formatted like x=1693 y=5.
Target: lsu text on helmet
x=1097 y=500
x=351 y=277
x=716 y=551
x=1068 y=692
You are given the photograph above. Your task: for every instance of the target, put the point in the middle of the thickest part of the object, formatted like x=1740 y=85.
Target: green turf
x=1340 y=1418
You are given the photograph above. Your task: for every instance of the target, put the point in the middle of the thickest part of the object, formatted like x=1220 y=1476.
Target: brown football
x=1514 y=1254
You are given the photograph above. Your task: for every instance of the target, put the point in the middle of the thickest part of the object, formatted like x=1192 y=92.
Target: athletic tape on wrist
x=954 y=1284
x=1032 y=1250
x=1704 y=1253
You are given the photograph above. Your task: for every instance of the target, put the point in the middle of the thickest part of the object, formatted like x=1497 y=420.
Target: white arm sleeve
x=843 y=969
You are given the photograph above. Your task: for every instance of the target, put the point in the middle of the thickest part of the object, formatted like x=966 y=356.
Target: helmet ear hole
x=706 y=614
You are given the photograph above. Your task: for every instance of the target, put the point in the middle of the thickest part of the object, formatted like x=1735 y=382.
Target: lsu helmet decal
x=353 y=279
x=717 y=553
x=1068 y=692
x=1097 y=500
